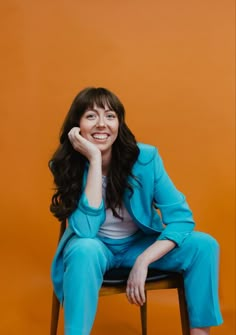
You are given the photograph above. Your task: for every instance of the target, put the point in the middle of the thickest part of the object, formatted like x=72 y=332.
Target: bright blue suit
x=82 y=257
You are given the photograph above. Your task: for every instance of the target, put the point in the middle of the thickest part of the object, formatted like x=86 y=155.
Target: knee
x=81 y=249
x=205 y=243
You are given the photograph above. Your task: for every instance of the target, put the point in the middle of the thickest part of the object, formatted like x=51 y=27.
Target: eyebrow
x=95 y=110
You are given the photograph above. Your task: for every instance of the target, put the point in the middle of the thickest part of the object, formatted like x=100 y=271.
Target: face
x=100 y=126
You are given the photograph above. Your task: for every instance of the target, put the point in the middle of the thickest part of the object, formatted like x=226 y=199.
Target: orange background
x=172 y=64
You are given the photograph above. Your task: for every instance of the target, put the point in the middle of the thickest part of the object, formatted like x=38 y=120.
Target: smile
x=100 y=136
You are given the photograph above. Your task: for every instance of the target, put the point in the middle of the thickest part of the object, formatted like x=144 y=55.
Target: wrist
x=143 y=260
x=96 y=158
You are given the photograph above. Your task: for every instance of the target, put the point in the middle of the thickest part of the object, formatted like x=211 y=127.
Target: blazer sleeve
x=175 y=212
x=85 y=221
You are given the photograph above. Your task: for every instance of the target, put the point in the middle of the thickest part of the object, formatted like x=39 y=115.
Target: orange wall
x=171 y=63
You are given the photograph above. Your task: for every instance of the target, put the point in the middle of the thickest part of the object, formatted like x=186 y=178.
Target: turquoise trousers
x=87 y=259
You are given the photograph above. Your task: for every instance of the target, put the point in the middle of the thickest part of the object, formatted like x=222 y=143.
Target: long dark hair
x=67 y=165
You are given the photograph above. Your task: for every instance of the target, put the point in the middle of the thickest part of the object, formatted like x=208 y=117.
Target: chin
x=104 y=150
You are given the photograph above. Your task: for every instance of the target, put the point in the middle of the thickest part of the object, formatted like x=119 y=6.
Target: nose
x=101 y=121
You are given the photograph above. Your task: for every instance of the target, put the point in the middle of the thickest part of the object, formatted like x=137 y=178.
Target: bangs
x=101 y=98
x=101 y=101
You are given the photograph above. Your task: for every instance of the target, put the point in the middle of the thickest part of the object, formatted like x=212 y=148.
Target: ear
x=51 y=165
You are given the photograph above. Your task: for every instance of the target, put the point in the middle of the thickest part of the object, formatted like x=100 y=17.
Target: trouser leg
x=197 y=259
x=200 y=265
x=85 y=261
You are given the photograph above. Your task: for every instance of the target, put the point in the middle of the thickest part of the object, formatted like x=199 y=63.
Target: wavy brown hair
x=67 y=165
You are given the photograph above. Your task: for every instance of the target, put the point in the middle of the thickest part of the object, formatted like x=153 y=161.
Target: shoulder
x=147 y=153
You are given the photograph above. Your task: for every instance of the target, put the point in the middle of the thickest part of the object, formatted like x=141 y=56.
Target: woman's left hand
x=136 y=282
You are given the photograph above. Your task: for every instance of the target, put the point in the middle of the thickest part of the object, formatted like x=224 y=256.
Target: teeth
x=100 y=137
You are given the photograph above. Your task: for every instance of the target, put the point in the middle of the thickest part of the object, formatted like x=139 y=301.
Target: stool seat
x=119 y=276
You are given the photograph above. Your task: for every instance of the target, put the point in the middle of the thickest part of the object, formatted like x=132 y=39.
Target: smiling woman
x=109 y=187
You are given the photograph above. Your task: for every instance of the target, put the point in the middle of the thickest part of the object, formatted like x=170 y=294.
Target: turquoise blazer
x=155 y=205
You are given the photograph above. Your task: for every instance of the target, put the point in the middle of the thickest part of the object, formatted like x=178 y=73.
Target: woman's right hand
x=80 y=144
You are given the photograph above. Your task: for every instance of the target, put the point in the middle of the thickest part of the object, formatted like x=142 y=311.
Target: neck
x=106 y=160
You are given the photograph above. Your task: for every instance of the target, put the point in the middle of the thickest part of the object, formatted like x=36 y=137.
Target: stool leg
x=55 y=314
x=143 y=312
x=183 y=311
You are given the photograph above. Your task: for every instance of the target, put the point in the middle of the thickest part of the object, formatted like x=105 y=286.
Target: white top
x=114 y=227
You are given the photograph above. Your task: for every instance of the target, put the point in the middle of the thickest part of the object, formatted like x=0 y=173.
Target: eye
x=111 y=116
x=90 y=116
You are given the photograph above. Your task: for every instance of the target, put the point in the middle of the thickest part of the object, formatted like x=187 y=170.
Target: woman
x=112 y=189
